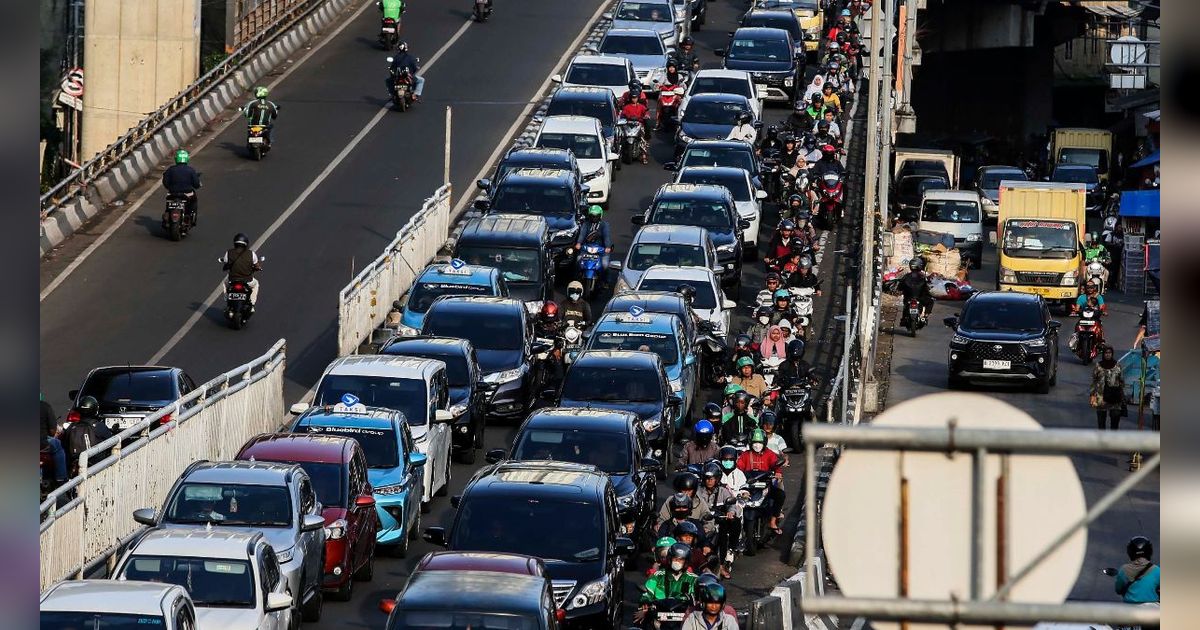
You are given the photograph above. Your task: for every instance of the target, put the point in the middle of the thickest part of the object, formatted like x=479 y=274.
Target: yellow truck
x=1078 y=145
x=1039 y=234
x=809 y=14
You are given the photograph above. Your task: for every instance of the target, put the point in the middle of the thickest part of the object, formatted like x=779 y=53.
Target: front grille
x=1014 y=352
x=562 y=590
x=1044 y=278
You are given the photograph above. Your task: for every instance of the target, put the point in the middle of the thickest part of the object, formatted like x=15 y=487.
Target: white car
x=746 y=198
x=233 y=577
x=417 y=388
x=86 y=603
x=584 y=137
x=656 y=15
x=605 y=71
x=720 y=81
x=710 y=302
x=643 y=48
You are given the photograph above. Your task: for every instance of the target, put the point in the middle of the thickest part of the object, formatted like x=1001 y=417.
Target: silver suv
x=275 y=499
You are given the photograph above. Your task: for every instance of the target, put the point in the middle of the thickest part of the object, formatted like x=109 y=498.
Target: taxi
x=453 y=278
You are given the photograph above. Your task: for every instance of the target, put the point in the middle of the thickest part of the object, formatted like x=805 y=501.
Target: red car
x=338 y=469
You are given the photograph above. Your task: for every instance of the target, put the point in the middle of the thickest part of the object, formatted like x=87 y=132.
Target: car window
x=89 y=620
x=661 y=343
x=721 y=85
x=516 y=264
x=734 y=158
x=406 y=395
x=600 y=110
x=737 y=186
x=713 y=112
x=631 y=45
x=215 y=583
x=531 y=526
x=611 y=385
x=950 y=211
x=996 y=315
x=230 y=504
x=645 y=255
x=759 y=49
x=706 y=298
x=378 y=443
x=130 y=386
x=583 y=146
x=606 y=450
x=495 y=331
x=597 y=74
x=991 y=179
x=788 y=24
x=424 y=293
x=270 y=569
x=705 y=213
x=644 y=12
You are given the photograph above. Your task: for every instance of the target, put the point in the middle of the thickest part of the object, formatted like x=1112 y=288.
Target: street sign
x=866 y=528
x=72 y=84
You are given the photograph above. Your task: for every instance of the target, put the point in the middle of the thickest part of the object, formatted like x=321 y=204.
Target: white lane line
x=153 y=191
x=279 y=221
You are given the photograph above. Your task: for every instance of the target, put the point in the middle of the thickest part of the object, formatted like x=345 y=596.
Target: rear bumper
x=1048 y=292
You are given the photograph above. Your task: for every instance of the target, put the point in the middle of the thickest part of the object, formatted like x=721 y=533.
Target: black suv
x=1004 y=336
x=612 y=441
x=517 y=245
x=127 y=394
x=554 y=194
x=530 y=508
x=703 y=205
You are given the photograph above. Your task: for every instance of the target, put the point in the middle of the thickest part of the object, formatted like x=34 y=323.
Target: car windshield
x=515 y=264
x=738 y=186
x=645 y=12
x=597 y=74
x=379 y=444
x=712 y=112
x=807 y=5
x=1040 y=239
x=230 y=504
x=950 y=211
x=664 y=344
x=130 y=386
x=458 y=372
x=600 y=110
x=1075 y=175
x=62 y=620
x=674 y=254
x=493 y=331
x=406 y=395
x=759 y=49
x=584 y=146
x=611 y=385
x=913 y=185
x=606 y=450
x=995 y=315
x=705 y=298
x=530 y=526
x=460 y=620
x=216 y=583
x=991 y=179
x=698 y=212
x=721 y=85
x=541 y=200
x=424 y=293
x=631 y=45
x=1089 y=157
x=731 y=157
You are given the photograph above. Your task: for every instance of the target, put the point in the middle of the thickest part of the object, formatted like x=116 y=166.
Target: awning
x=1146 y=161
x=1110 y=8
x=1140 y=203
x=1154 y=115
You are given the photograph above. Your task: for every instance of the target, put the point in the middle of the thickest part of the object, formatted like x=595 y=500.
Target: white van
x=959 y=214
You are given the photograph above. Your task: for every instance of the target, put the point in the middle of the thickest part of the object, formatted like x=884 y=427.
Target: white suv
x=709 y=303
x=99 y=603
x=721 y=81
x=584 y=137
x=602 y=71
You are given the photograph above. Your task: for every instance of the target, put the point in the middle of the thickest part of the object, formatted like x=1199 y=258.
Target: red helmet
x=549 y=311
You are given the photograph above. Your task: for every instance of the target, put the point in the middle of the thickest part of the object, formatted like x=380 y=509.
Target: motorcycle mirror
x=720 y=52
x=1055 y=324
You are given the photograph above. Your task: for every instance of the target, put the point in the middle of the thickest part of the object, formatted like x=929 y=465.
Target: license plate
x=993 y=364
x=255 y=140
x=389 y=29
x=913 y=311
x=235 y=296
x=671 y=616
x=124 y=422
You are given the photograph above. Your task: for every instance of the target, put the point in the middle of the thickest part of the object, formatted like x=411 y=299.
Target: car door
x=414 y=477
x=362 y=521
x=646 y=482
x=688 y=372
x=270 y=581
x=310 y=542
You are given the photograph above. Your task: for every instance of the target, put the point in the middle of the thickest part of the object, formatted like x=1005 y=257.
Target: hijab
x=771 y=348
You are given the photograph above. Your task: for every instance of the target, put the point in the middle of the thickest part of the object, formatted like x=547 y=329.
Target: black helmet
x=712 y=411
x=686 y=481
x=679 y=551
x=680 y=503
x=916 y=263
x=728 y=456
x=772 y=131
x=788 y=224
x=686 y=41
x=88 y=407
x=712 y=470
x=772 y=275
x=823 y=126
x=742 y=396
x=706 y=579
x=841 y=37
x=793 y=198
x=635 y=85
x=816 y=99
x=1139 y=547
x=241 y=240
x=795 y=349
x=402 y=47
x=744 y=118
x=767 y=417
x=688 y=292
x=686 y=527
x=710 y=593
x=763 y=311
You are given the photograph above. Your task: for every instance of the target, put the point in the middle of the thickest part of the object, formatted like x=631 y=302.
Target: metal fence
x=363 y=304
x=85 y=521
x=255 y=15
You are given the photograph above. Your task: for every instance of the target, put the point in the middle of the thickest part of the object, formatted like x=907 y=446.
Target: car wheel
x=343 y=593
x=401 y=550
x=1054 y=377
x=1042 y=387
x=445 y=489
x=366 y=573
x=314 y=606
x=415 y=530
x=466 y=455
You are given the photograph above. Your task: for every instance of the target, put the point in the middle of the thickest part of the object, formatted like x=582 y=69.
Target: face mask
x=764 y=319
x=728 y=464
x=575 y=295
x=757 y=448
x=677 y=565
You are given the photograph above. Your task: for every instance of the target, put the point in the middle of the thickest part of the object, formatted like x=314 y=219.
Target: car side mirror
x=556 y=79
x=386 y=606
x=675 y=401
x=951 y=321
x=278 y=601
x=483 y=184
x=616 y=265
x=727 y=304
x=670 y=166
x=435 y=536
x=637 y=219
x=649 y=464
x=73 y=394
x=625 y=546
x=743 y=224
x=312 y=523
x=442 y=416
x=718 y=269
x=548 y=395
x=689 y=359
x=494 y=455
x=1055 y=325
x=483 y=205
x=417 y=459
x=299 y=408
x=145 y=516
x=364 y=500
x=760 y=194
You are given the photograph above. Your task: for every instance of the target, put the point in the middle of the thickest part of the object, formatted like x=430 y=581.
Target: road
x=919 y=367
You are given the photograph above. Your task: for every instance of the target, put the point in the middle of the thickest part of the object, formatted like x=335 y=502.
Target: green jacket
x=392 y=8
x=1090 y=253
x=662 y=586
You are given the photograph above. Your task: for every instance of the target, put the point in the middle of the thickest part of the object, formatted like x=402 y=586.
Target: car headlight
x=1037 y=342
x=591 y=593
x=676 y=385
x=628 y=501
x=407 y=331
x=503 y=377
x=336 y=529
x=652 y=424
x=285 y=556
x=458 y=410
x=389 y=490
x=725 y=249
x=621 y=286
x=1070 y=279
x=1007 y=276
x=684 y=138
x=959 y=340
x=789 y=82
x=974 y=237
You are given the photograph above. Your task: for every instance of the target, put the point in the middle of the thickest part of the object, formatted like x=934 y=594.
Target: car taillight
x=73 y=416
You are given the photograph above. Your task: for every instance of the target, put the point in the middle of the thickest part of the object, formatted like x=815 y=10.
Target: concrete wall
x=137 y=55
x=975 y=25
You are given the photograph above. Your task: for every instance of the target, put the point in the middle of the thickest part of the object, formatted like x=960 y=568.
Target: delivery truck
x=1078 y=145
x=1039 y=233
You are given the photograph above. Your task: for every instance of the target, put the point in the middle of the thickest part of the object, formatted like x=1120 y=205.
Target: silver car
x=99 y=603
x=656 y=15
x=275 y=499
x=643 y=48
x=671 y=245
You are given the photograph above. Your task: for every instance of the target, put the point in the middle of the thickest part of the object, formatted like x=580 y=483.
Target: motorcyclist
x=401 y=61
x=762 y=324
x=771 y=283
x=805 y=230
x=637 y=109
x=743 y=346
x=701 y=448
x=52 y=445
x=773 y=347
x=822 y=134
x=830 y=119
x=795 y=371
x=816 y=108
x=771 y=140
x=89 y=431
x=829 y=97
x=915 y=284
x=829 y=163
x=549 y=324
x=795 y=205
x=182 y=179
x=1095 y=250
x=676 y=581
x=775 y=442
x=722 y=505
x=689 y=534
x=781 y=241
x=739 y=420
x=393 y=9
x=634 y=94
x=800 y=120
x=1138 y=581
x=241 y=263
x=661 y=547
x=744 y=129
x=686 y=57
x=679 y=507
x=804 y=278
x=574 y=307
x=595 y=230
x=1090 y=292
x=759 y=458
x=783 y=306
x=750 y=381
x=260 y=111
x=711 y=615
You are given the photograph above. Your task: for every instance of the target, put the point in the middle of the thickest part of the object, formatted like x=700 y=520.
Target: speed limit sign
x=72 y=84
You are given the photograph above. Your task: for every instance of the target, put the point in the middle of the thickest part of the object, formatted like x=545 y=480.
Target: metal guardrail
x=74 y=184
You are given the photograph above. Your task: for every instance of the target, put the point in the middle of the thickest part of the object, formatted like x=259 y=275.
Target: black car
x=531 y=157
x=769 y=55
x=501 y=331
x=470 y=599
x=469 y=395
x=594 y=102
x=910 y=189
x=1004 y=336
x=783 y=19
x=625 y=381
x=553 y=194
x=517 y=245
x=707 y=206
x=612 y=441
x=1082 y=174
x=731 y=153
x=560 y=512
x=127 y=394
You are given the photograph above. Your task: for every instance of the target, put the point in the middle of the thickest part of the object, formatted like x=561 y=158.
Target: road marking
x=291 y=209
x=153 y=191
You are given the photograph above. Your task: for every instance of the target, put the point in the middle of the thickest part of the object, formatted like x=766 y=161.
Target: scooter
x=795 y=408
x=630 y=132
x=669 y=97
x=1088 y=336
x=389 y=33
x=912 y=319
x=402 y=89
x=238 y=308
x=177 y=220
x=572 y=336
x=483 y=10
x=754 y=498
x=829 y=201
x=802 y=304
x=1096 y=272
x=590 y=269
x=256 y=141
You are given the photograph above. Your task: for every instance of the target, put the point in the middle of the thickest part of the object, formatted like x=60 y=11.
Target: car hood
x=705 y=130
x=992 y=194
x=957 y=230
x=746 y=209
x=643 y=410
x=580 y=572
x=1009 y=336
x=281 y=538
x=759 y=66
x=646 y=62
x=657 y=27
x=590 y=165
x=222 y=618
x=498 y=360
x=721 y=236
x=380 y=477
x=524 y=291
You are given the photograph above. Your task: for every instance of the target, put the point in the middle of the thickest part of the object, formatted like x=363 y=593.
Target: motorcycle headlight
x=1007 y=276
x=458 y=410
x=591 y=593
x=652 y=424
x=959 y=340
x=974 y=237
x=627 y=502
x=336 y=529
x=572 y=335
x=285 y=556
x=389 y=490
x=503 y=377
x=1070 y=279
x=725 y=249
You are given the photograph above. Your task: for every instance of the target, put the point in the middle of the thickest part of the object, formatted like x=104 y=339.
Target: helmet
x=841 y=37
x=744 y=361
x=828 y=150
x=823 y=125
x=680 y=502
x=788 y=224
x=805 y=262
x=402 y=47
x=845 y=13
x=685 y=481
x=782 y=294
x=704 y=427
x=664 y=543
x=762 y=311
x=800 y=105
x=712 y=411
x=260 y=92
x=816 y=99
x=88 y=407
x=1091 y=283
x=767 y=417
x=772 y=275
x=795 y=197
x=712 y=470
x=549 y=311
x=679 y=551
x=686 y=41
x=241 y=240
x=759 y=436
x=1139 y=547
x=687 y=291
x=575 y=285
x=685 y=528
x=732 y=389
x=916 y=263
x=772 y=131
x=795 y=349
x=832 y=45
x=182 y=157
x=742 y=396
x=710 y=593
x=744 y=118
x=595 y=211
x=635 y=85
x=785 y=324
x=742 y=341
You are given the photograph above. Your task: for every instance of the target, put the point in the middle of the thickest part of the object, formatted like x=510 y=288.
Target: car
x=656 y=15
x=660 y=333
x=731 y=153
x=624 y=380
x=127 y=394
x=779 y=18
x=73 y=604
x=468 y=598
x=671 y=245
x=337 y=468
x=809 y=12
x=769 y=55
x=501 y=330
x=909 y=190
x=583 y=136
x=1081 y=174
x=710 y=117
x=276 y=500
x=522 y=507
x=418 y=388
x=235 y=578
x=746 y=198
x=436 y=280
x=657 y=302
x=958 y=213
x=468 y=394
x=987 y=184
x=1004 y=336
x=532 y=157
x=722 y=81
x=489 y=562
x=707 y=206
x=643 y=48
x=598 y=103
x=552 y=194
x=709 y=304
x=516 y=244
x=395 y=470
x=602 y=71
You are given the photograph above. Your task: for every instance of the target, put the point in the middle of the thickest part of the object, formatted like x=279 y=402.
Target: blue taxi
x=660 y=333
x=394 y=467
x=453 y=278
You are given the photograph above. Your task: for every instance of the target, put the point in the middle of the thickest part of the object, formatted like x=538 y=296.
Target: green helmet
x=182 y=157
x=758 y=435
x=732 y=389
x=664 y=543
x=595 y=211
x=743 y=362
x=260 y=92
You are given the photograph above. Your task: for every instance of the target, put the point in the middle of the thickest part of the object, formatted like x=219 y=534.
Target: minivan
x=959 y=214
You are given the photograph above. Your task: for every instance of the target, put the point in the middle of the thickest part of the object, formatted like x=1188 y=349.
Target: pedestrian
x=1107 y=394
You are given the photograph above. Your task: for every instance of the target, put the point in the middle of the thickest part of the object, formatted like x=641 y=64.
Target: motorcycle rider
x=830 y=125
x=638 y=109
x=676 y=581
x=51 y=444
x=804 y=278
x=85 y=433
x=393 y=9
x=728 y=514
x=827 y=165
x=661 y=547
x=800 y=121
x=686 y=58
x=549 y=324
x=744 y=129
x=574 y=307
x=805 y=230
x=795 y=204
x=783 y=306
x=260 y=111
x=403 y=61
x=761 y=326
x=772 y=283
x=595 y=230
x=739 y=420
x=759 y=458
x=1094 y=250
x=775 y=442
x=711 y=615
x=1091 y=292
x=680 y=507
x=915 y=284
x=830 y=98
x=242 y=262
x=701 y=448
x=750 y=381
x=781 y=241
x=771 y=141
x=1138 y=581
x=795 y=372
x=816 y=108
x=182 y=179
x=689 y=534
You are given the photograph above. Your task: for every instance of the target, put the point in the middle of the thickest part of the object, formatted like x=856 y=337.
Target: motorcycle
x=483 y=10
x=256 y=141
x=669 y=98
x=913 y=319
x=771 y=172
x=666 y=614
x=714 y=350
x=795 y=408
x=1096 y=272
x=630 y=133
x=829 y=200
x=590 y=269
x=769 y=368
x=402 y=89
x=389 y=33
x=802 y=304
x=572 y=336
x=177 y=220
x=1088 y=336
x=754 y=498
x=238 y=307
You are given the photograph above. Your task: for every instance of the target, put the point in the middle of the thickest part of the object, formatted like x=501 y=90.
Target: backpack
x=80 y=437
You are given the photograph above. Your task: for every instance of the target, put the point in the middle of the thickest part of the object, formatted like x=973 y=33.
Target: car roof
x=623 y=359
x=678 y=272
x=510 y=228
x=717 y=171
x=198 y=542
x=109 y=596
x=655 y=321
x=608 y=420
x=471 y=590
x=531 y=478
x=569 y=123
x=1074 y=167
x=1000 y=167
x=648 y=1
x=243 y=472
x=491 y=561
x=298 y=447
x=582 y=92
x=760 y=32
x=118 y=369
x=385 y=365
x=636 y=32
x=476 y=302
x=543 y=154
x=429 y=343
x=659 y=301
x=958 y=195
x=722 y=73
x=328 y=415
x=718 y=97
x=776 y=14
x=526 y=175
x=718 y=143
x=989 y=297
x=692 y=190
x=656 y=233
x=466 y=274
x=608 y=60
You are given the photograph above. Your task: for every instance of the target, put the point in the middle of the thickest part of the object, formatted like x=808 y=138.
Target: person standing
x=1107 y=394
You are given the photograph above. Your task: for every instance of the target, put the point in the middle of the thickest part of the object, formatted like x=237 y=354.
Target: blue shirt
x=1140 y=591
x=586 y=229
x=1081 y=301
